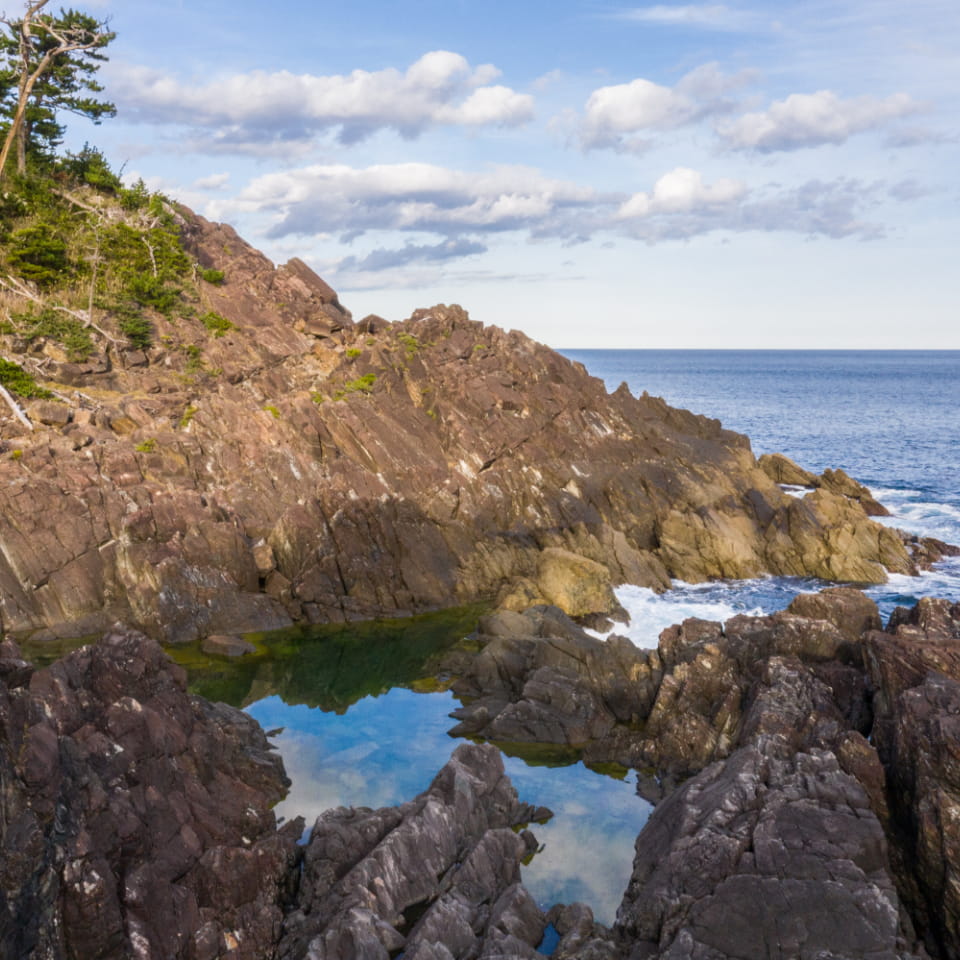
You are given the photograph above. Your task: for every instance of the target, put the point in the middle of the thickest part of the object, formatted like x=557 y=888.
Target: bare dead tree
x=66 y=40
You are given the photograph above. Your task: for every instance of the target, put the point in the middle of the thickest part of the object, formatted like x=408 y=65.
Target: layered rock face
x=304 y=467
x=135 y=818
x=436 y=877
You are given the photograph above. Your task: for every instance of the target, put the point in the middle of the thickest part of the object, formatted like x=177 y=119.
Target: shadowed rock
x=135 y=818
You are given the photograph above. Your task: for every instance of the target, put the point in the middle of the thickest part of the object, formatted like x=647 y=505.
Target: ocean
x=890 y=419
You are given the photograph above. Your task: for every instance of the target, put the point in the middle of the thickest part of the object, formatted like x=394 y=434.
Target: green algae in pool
x=363 y=713
x=333 y=666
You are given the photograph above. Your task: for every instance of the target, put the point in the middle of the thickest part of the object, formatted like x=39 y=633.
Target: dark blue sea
x=890 y=419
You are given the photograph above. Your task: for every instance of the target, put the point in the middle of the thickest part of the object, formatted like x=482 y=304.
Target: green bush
x=137 y=329
x=353 y=353
x=37 y=253
x=212 y=276
x=136 y=197
x=216 y=323
x=146 y=446
x=411 y=344
x=90 y=166
x=151 y=291
x=18 y=381
x=362 y=384
x=58 y=326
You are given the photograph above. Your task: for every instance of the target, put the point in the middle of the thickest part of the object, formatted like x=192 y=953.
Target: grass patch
x=23 y=384
x=216 y=323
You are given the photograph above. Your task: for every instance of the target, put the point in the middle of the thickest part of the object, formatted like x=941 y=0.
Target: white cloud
x=810 y=120
x=254 y=108
x=412 y=196
x=216 y=181
x=682 y=191
x=708 y=16
x=462 y=208
x=614 y=115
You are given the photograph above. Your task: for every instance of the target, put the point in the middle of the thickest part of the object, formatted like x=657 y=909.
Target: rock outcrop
x=438 y=877
x=540 y=678
x=135 y=818
x=292 y=465
x=764 y=856
x=915 y=668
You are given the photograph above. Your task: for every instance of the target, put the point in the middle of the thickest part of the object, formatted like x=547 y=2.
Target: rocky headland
x=281 y=462
x=255 y=458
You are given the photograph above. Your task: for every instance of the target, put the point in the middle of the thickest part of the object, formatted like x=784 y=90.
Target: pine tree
x=49 y=67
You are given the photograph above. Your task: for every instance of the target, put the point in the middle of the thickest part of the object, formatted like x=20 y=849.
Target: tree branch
x=15 y=407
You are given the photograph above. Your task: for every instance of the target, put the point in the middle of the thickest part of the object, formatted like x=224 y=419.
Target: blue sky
x=595 y=174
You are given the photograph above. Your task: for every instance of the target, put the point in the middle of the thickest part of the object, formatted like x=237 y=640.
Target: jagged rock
x=915 y=669
x=837 y=481
x=541 y=678
x=764 y=855
x=781 y=469
x=924 y=773
x=390 y=468
x=849 y=610
x=437 y=877
x=135 y=819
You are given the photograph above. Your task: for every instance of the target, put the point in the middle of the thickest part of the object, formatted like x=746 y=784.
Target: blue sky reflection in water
x=384 y=750
x=889 y=419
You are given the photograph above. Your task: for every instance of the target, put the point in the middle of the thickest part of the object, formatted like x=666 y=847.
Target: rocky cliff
x=268 y=460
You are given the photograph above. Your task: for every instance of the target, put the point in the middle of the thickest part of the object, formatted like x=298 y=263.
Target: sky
x=596 y=174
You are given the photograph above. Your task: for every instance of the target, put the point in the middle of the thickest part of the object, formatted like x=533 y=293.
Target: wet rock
x=439 y=871
x=136 y=819
x=227 y=645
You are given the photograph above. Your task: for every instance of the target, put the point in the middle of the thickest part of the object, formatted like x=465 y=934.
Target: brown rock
x=227 y=645
x=136 y=819
x=781 y=469
x=49 y=412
